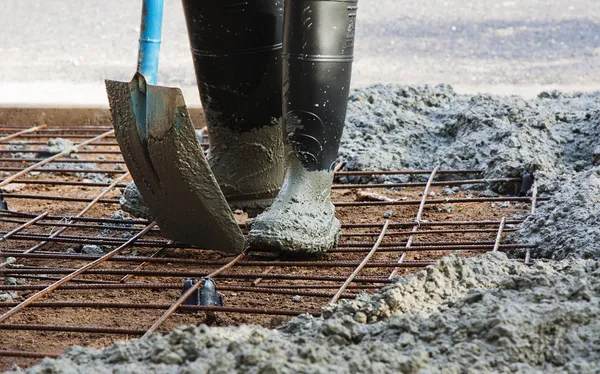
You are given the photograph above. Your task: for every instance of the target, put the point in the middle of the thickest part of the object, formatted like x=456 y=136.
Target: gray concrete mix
x=487 y=314
x=302 y=218
x=404 y=127
x=171 y=171
x=569 y=224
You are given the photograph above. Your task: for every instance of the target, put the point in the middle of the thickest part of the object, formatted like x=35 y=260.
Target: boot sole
x=278 y=243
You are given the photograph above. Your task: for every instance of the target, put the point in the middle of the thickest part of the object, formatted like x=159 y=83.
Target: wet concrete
x=392 y=127
x=54 y=146
x=480 y=315
x=249 y=166
x=133 y=203
x=173 y=178
x=302 y=218
x=569 y=224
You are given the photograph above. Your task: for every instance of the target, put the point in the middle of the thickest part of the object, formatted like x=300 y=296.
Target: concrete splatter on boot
x=302 y=218
x=247 y=165
x=236 y=48
x=317 y=52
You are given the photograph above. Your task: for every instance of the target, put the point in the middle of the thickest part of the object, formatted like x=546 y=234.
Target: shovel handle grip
x=150 y=39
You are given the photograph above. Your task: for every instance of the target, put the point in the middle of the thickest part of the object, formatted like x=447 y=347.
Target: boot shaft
x=318 y=52
x=236 y=49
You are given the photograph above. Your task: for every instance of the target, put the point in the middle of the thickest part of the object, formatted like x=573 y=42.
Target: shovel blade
x=172 y=173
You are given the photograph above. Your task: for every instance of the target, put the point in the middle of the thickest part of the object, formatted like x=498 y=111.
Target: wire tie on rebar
x=64 y=219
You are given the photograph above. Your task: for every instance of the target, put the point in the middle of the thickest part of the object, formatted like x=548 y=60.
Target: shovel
x=161 y=150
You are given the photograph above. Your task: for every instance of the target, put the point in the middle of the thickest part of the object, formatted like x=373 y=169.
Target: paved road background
x=61 y=50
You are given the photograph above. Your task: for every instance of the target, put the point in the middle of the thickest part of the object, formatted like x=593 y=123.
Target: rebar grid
x=48 y=271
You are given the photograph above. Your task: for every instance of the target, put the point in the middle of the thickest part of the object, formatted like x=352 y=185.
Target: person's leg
x=236 y=47
x=317 y=62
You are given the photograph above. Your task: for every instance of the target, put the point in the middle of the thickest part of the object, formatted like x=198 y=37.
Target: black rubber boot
x=317 y=53
x=236 y=47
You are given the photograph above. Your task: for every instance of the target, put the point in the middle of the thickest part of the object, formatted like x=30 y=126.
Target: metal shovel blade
x=171 y=172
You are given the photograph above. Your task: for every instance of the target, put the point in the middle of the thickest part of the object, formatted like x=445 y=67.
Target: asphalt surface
x=486 y=45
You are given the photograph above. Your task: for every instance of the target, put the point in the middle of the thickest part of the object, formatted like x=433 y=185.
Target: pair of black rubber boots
x=274 y=78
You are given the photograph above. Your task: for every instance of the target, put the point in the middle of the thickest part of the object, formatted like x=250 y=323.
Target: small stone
x=297 y=298
x=92 y=250
x=10 y=281
x=118 y=167
x=101 y=158
x=171 y=358
x=488 y=193
x=448 y=191
x=10 y=260
x=360 y=317
x=580 y=165
x=9 y=296
x=505 y=204
x=387 y=214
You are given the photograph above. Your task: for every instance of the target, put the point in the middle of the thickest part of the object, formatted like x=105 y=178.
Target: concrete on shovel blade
x=173 y=175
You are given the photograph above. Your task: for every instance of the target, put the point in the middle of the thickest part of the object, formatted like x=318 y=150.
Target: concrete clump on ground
x=484 y=314
x=569 y=224
x=132 y=202
x=55 y=146
x=402 y=127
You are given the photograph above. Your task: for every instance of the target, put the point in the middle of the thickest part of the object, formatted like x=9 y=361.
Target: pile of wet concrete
x=490 y=313
x=486 y=314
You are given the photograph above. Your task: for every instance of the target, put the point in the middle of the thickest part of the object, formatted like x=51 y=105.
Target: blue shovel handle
x=150 y=39
x=147 y=69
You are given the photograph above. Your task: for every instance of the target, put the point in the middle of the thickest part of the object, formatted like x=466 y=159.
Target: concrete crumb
x=131 y=202
x=55 y=146
x=13 y=187
x=9 y=297
x=92 y=250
